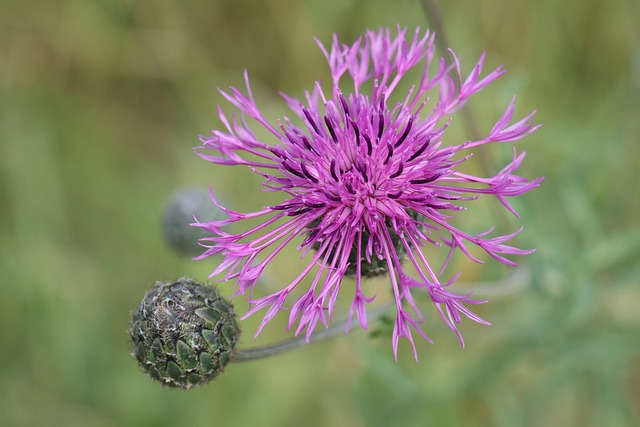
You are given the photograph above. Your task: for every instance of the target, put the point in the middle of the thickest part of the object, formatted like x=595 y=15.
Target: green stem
x=434 y=18
x=261 y=352
x=498 y=288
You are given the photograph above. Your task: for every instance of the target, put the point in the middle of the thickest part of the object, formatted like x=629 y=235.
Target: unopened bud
x=184 y=333
x=179 y=213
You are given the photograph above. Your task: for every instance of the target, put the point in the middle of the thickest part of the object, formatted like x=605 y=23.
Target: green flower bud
x=183 y=333
x=178 y=214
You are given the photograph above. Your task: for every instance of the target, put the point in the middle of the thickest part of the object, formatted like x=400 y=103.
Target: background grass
x=100 y=104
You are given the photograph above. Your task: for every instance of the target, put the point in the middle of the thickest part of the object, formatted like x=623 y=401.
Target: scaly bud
x=184 y=333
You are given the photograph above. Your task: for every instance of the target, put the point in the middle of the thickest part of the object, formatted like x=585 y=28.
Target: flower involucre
x=366 y=183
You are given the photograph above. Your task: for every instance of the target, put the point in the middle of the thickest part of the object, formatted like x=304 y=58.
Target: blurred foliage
x=100 y=104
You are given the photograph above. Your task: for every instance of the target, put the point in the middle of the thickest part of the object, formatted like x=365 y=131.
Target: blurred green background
x=100 y=104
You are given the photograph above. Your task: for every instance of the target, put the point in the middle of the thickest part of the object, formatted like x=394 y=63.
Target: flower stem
x=434 y=18
x=503 y=287
x=261 y=352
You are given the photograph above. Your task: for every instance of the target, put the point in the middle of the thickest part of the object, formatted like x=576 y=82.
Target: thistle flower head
x=183 y=333
x=366 y=180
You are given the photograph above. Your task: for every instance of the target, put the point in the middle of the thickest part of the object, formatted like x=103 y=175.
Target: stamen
x=362 y=169
x=345 y=106
x=307 y=144
x=405 y=133
x=307 y=173
x=289 y=136
x=369 y=146
x=334 y=174
x=425 y=180
x=278 y=152
x=356 y=131
x=282 y=206
x=327 y=120
x=421 y=150
x=288 y=167
x=299 y=212
x=317 y=205
x=398 y=172
x=389 y=154
x=349 y=187
x=307 y=114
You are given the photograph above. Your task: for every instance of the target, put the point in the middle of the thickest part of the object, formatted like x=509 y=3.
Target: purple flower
x=366 y=181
